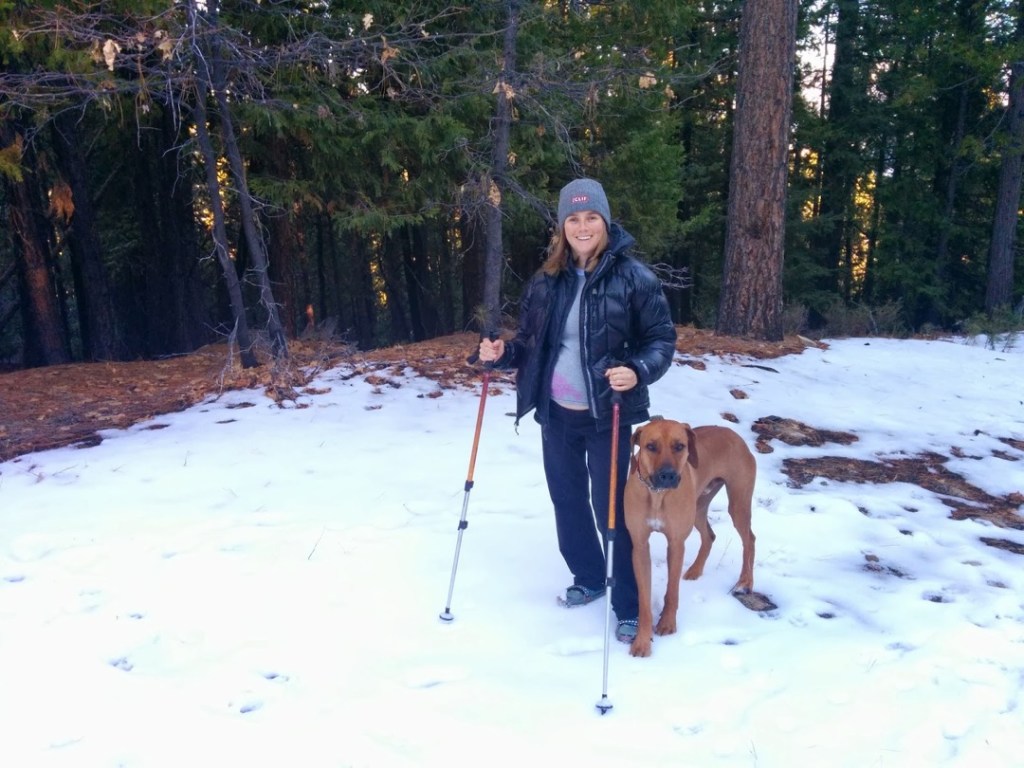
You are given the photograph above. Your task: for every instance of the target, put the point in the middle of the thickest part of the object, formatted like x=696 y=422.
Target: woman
x=593 y=321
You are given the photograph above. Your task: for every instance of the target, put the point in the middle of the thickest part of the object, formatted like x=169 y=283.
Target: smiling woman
x=584 y=219
x=588 y=234
x=594 y=323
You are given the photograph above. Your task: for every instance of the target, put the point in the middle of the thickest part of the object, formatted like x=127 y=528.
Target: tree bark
x=494 y=249
x=751 y=302
x=999 y=278
x=254 y=239
x=12 y=307
x=220 y=236
x=176 y=284
x=392 y=273
x=950 y=192
x=45 y=341
x=101 y=338
x=420 y=283
x=288 y=270
x=840 y=155
x=363 y=291
x=471 y=275
x=961 y=108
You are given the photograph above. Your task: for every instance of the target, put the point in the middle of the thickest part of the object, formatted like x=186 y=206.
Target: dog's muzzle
x=665 y=479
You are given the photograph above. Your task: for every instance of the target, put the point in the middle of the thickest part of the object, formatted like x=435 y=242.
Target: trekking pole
x=446 y=615
x=604 y=705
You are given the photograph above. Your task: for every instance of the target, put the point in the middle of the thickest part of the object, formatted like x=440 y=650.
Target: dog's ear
x=633 y=443
x=691 y=455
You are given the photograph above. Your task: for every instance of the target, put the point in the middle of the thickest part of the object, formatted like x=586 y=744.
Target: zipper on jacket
x=603 y=265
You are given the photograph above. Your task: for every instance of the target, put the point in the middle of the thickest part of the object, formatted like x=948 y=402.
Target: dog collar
x=647 y=483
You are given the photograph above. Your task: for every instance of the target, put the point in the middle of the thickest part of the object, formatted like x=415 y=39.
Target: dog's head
x=661 y=450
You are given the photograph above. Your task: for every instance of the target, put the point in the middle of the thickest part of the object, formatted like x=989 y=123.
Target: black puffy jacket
x=624 y=320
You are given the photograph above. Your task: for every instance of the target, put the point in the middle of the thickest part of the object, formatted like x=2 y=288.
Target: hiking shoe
x=626 y=631
x=578 y=595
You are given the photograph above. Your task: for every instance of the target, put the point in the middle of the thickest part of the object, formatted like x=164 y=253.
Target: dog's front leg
x=641 y=645
x=667 y=622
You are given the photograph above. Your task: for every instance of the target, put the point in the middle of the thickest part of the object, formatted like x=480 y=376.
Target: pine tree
x=751 y=303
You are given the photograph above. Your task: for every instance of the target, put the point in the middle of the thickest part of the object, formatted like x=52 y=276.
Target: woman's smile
x=583 y=230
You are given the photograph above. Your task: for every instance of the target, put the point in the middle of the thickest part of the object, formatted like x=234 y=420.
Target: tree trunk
x=288 y=269
x=392 y=272
x=8 y=312
x=184 y=311
x=413 y=289
x=154 y=301
x=494 y=258
x=867 y=292
x=167 y=296
x=420 y=284
x=950 y=192
x=220 y=235
x=751 y=302
x=964 y=107
x=840 y=155
x=448 y=280
x=254 y=239
x=337 y=278
x=45 y=342
x=999 y=279
x=363 y=291
x=471 y=277
x=100 y=334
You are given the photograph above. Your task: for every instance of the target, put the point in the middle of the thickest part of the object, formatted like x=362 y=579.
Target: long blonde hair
x=560 y=256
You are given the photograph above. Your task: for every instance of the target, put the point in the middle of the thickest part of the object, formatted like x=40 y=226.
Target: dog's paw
x=693 y=573
x=666 y=625
x=640 y=647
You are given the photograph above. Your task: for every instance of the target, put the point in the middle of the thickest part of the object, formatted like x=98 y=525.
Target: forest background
x=177 y=173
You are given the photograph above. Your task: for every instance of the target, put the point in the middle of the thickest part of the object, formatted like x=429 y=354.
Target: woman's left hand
x=621 y=378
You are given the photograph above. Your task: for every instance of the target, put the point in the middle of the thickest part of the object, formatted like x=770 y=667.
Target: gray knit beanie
x=583 y=195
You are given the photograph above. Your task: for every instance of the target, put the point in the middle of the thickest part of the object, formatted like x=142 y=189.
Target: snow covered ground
x=245 y=585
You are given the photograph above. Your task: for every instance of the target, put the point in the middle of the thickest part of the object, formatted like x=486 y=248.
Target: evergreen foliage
x=366 y=132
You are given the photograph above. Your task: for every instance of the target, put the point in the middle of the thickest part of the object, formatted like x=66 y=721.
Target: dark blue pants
x=577 y=464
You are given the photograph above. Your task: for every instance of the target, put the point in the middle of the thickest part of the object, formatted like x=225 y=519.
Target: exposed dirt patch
x=926 y=470
x=967 y=501
x=60 y=405
x=44 y=408
x=792 y=432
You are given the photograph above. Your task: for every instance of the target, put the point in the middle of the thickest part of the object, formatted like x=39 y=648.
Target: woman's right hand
x=491 y=350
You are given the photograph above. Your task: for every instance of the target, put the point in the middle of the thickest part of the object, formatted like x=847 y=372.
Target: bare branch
x=672 y=277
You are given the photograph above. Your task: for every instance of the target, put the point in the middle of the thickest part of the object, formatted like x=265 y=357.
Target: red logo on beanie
x=580 y=199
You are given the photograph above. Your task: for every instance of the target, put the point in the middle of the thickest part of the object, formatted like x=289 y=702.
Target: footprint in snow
x=432 y=676
x=575 y=646
x=122 y=663
x=247 y=707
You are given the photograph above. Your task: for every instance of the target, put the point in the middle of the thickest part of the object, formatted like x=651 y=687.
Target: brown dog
x=674 y=473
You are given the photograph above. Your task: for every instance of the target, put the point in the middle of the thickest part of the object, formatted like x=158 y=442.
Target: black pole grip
x=475 y=357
